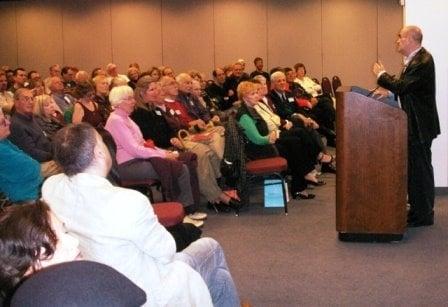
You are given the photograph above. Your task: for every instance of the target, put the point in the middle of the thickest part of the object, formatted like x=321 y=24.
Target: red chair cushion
x=266 y=166
x=169 y=213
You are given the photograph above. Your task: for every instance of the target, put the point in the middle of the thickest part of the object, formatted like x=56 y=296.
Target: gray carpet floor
x=297 y=260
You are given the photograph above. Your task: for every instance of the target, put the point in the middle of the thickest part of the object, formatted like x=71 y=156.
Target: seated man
x=19 y=174
x=28 y=135
x=64 y=101
x=117 y=227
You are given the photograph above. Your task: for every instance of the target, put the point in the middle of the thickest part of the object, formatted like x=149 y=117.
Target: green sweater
x=251 y=131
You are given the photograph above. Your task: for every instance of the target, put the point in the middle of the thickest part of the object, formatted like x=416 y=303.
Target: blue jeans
x=206 y=257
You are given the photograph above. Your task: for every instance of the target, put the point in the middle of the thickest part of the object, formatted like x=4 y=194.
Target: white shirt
x=309 y=85
x=117 y=227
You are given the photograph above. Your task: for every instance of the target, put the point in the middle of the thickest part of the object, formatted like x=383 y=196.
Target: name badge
x=226 y=98
x=158 y=113
x=67 y=99
x=291 y=99
x=172 y=112
x=178 y=112
x=191 y=103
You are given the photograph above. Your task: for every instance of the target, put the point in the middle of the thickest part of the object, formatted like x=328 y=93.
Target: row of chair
x=329 y=87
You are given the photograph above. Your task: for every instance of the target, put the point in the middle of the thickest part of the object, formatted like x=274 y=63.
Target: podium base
x=369 y=237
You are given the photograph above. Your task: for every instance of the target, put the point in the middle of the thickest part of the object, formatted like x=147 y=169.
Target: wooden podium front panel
x=371 y=180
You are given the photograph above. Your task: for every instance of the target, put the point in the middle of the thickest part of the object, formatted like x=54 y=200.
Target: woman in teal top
x=262 y=143
x=20 y=177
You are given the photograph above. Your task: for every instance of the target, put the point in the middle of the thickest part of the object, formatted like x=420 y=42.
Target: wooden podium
x=371 y=179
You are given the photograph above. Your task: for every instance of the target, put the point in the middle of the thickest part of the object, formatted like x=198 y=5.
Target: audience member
x=153 y=117
x=231 y=83
x=138 y=160
x=48 y=115
x=64 y=101
x=82 y=76
x=263 y=142
x=28 y=135
x=258 y=62
x=168 y=71
x=155 y=73
x=53 y=71
x=102 y=95
x=33 y=76
x=20 y=177
x=216 y=91
x=36 y=87
x=68 y=78
x=6 y=97
x=31 y=238
x=86 y=109
x=133 y=75
x=98 y=71
x=20 y=80
x=112 y=72
x=118 y=227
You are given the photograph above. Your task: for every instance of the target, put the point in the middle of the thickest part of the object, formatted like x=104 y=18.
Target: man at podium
x=415 y=92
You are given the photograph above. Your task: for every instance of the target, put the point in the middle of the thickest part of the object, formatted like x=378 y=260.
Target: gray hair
x=119 y=93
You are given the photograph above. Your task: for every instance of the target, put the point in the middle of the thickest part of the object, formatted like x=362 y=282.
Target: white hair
x=119 y=93
x=276 y=75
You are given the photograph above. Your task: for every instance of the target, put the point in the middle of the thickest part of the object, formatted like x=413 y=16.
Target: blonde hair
x=39 y=104
x=244 y=88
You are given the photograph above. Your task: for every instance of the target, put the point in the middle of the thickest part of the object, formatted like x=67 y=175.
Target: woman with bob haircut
x=139 y=159
x=265 y=142
x=31 y=238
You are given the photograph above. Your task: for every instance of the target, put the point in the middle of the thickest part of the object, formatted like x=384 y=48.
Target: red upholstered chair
x=169 y=213
x=326 y=87
x=268 y=167
x=335 y=82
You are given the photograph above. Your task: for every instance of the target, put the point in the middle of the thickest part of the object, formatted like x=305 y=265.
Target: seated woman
x=31 y=238
x=300 y=126
x=188 y=118
x=86 y=109
x=139 y=160
x=150 y=115
x=264 y=143
x=322 y=109
x=20 y=175
x=102 y=96
x=48 y=115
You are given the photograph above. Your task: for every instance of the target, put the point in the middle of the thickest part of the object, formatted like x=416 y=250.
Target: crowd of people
x=61 y=136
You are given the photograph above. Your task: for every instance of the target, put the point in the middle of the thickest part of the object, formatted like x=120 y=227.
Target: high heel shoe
x=235 y=204
x=218 y=207
x=302 y=195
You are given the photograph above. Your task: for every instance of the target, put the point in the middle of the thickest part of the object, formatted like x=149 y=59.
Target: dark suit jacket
x=416 y=90
x=28 y=136
x=283 y=108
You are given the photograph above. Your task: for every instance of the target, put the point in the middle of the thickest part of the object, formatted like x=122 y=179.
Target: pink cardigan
x=129 y=139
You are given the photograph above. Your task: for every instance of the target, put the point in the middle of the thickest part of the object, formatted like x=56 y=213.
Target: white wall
x=431 y=16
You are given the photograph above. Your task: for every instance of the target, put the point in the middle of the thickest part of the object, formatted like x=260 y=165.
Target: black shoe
x=302 y=195
x=328 y=168
x=419 y=222
x=219 y=207
x=235 y=205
